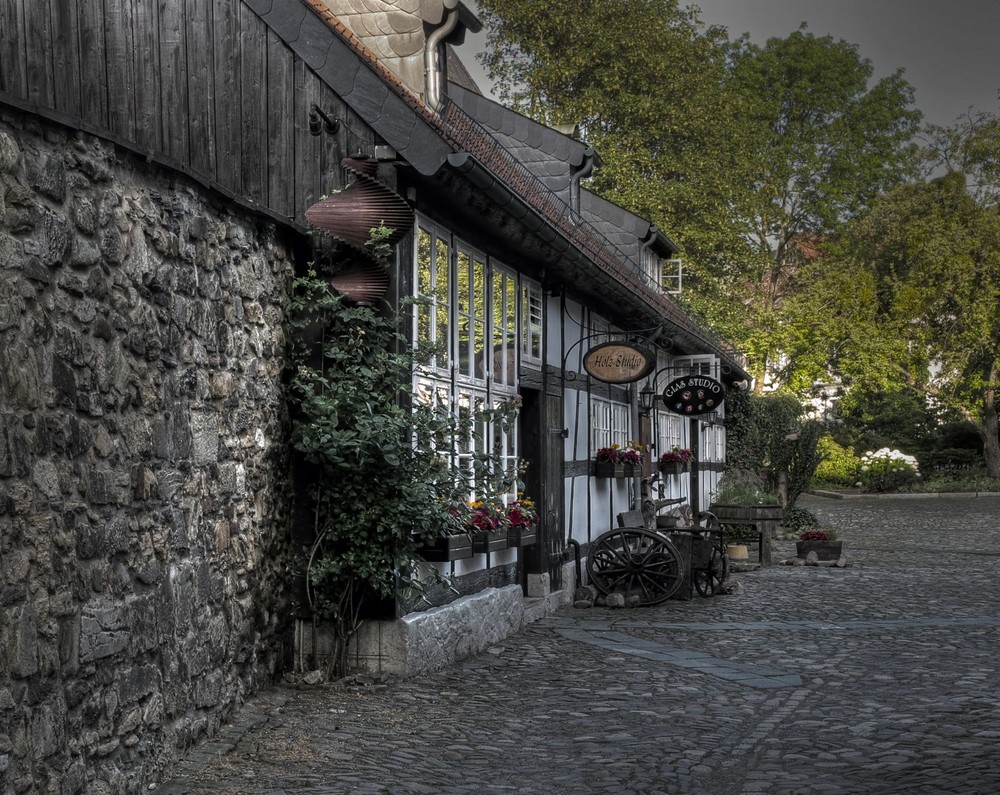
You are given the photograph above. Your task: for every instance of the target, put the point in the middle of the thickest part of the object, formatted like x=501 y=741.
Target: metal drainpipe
x=432 y=66
x=586 y=169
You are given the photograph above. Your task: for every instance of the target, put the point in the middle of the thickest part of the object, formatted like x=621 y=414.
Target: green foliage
x=888 y=470
x=926 y=260
x=375 y=493
x=798 y=520
x=769 y=445
x=839 y=465
x=733 y=491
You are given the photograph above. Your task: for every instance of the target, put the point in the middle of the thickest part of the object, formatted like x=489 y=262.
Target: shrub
x=888 y=470
x=839 y=465
x=799 y=520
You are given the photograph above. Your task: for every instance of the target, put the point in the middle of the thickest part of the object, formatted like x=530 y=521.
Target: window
x=467 y=315
x=651 y=268
x=433 y=309
x=531 y=322
x=609 y=423
x=672 y=276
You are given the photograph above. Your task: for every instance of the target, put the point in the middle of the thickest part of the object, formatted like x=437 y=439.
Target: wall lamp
x=320 y=122
x=647 y=398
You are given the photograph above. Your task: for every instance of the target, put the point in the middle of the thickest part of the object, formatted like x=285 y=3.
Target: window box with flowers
x=631 y=458
x=608 y=462
x=488 y=526
x=522 y=519
x=675 y=461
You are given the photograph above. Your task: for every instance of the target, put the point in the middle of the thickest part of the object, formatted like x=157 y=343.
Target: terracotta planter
x=737 y=551
x=825 y=550
x=447 y=547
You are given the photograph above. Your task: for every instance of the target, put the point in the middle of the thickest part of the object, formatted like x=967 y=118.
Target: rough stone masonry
x=144 y=516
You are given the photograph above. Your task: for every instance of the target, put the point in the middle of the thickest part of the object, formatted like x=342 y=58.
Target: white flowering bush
x=888 y=470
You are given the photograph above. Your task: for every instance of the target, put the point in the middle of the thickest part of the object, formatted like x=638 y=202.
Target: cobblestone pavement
x=877 y=678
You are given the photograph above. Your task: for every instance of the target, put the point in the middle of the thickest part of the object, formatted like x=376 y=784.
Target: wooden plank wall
x=203 y=85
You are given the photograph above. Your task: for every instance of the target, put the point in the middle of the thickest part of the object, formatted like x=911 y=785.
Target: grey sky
x=948 y=49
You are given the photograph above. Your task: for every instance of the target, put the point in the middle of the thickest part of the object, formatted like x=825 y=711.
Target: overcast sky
x=949 y=49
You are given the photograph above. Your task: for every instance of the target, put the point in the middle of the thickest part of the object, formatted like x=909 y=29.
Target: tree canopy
x=748 y=156
x=924 y=265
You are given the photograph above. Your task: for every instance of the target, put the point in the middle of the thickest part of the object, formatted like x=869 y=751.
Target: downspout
x=586 y=169
x=432 y=61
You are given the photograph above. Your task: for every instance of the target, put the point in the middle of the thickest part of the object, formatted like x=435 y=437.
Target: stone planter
x=489 y=540
x=825 y=550
x=447 y=547
x=522 y=536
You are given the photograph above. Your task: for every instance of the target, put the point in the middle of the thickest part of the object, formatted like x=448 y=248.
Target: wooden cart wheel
x=635 y=562
x=709 y=580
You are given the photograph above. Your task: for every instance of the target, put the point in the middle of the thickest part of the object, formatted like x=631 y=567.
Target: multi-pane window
x=651 y=268
x=504 y=327
x=468 y=314
x=433 y=284
x=609 y=423
x=531 y=322
x=669 y=431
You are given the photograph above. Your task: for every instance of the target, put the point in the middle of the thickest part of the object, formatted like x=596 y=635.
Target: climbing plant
x=381 y=467
x=373 y=494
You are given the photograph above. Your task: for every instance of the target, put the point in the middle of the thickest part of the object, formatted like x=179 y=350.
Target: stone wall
x=144 y=530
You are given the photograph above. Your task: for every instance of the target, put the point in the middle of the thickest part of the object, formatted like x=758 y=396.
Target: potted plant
x=675 y=461
x=488 y=525
x=453 y=541
x=608 y=462
x=823 y=542
x=631 y=458
x=521 y=520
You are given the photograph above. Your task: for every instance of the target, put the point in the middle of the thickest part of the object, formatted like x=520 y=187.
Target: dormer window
x=664 y=275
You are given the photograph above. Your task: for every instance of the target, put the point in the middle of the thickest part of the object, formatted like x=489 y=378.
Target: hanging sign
x=618 y=362
x=693 y=394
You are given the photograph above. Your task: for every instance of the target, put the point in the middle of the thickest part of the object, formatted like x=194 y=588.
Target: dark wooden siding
x=201 y=85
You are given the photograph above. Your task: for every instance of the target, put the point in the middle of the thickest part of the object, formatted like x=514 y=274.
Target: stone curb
x=837 y=495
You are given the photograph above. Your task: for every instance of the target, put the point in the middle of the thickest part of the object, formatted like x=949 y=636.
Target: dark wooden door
x=541 y=446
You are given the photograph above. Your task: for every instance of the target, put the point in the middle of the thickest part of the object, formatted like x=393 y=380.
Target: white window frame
x=486 y=377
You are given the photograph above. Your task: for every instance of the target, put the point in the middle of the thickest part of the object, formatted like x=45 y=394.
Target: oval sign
x=618 y=362
x=691 y=395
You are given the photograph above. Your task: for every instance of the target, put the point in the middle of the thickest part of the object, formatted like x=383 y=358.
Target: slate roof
x=430 y=141
x=549 y=154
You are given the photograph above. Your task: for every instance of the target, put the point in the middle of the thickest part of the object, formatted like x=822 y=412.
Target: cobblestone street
x=881 y=677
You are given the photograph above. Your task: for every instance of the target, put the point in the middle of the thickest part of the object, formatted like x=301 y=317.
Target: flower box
x=609 y=469
x=825 y=550
x=522 y=536
x=673 y=467
x=489 y=540
x=447 y=547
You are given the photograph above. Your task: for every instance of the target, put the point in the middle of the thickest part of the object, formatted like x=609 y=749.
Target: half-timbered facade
x=214 y=115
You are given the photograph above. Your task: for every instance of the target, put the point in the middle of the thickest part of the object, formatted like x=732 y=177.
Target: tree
x=824 y=145
x=649 y=85
x=750 y=157
x=925 y=269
